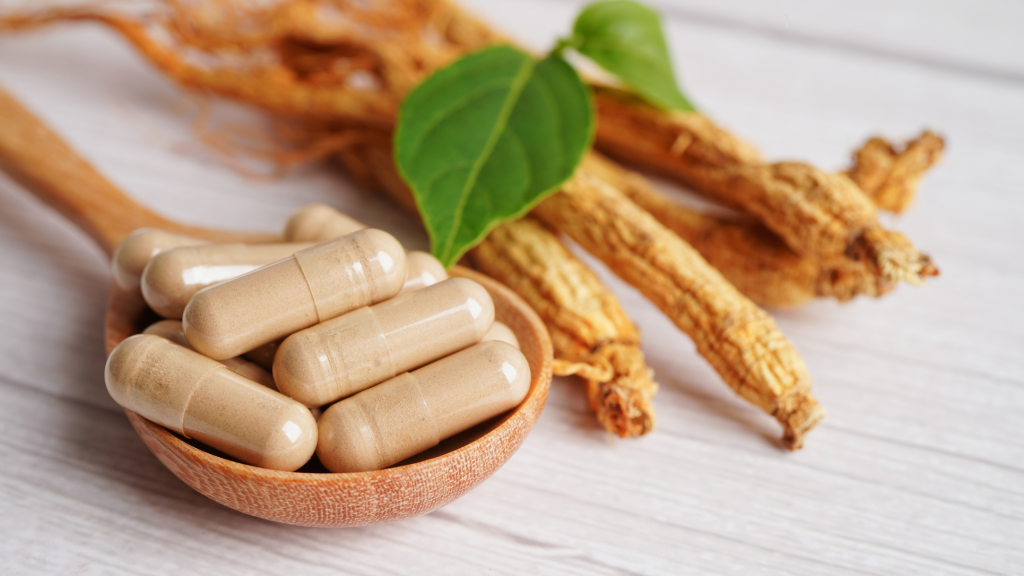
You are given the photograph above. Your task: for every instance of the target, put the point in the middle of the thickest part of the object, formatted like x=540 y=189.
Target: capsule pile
x=376 y=355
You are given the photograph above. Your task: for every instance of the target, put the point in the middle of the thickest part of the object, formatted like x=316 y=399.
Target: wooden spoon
x=47 y=167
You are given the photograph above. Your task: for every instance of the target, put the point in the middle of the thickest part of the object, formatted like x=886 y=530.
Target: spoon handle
x=46 y=166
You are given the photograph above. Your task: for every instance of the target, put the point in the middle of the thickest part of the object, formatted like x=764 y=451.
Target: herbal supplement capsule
x=173 y=276
x=424 y=270
x=412 y=412
x=319 y=223
x=173 y=331
x=502 y=333
x=314 y=285
x=354 y=351
x=135 y=251
x=200 y=398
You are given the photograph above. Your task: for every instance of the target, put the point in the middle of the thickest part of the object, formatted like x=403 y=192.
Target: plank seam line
x=706 y=533
x=7 y=380
x=925 y=448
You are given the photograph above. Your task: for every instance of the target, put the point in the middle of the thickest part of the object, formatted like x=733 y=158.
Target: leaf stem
x=563 y=44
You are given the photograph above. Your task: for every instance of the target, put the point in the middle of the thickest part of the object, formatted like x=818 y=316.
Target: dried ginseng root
x=749 y=255
x=354 y=66
x=740 y=341
x=592 y=336
x=309 y=58
x=591 y=332
x=817 y=214
x=890 y=177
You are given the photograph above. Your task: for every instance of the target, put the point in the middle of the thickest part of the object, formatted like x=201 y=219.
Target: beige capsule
x=319 y=223
x=136 y=250
x=173 y=276
x=313 y=286
x=502 y=333
x=200 y=398
x=356 y=350
x=424 y=270
x=173 y=331
x=412 y=412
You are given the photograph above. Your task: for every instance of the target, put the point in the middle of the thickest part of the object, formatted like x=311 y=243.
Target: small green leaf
x=625 y=38
x=487 y=138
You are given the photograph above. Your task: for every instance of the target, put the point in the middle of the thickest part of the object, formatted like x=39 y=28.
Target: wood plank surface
x=918 y=468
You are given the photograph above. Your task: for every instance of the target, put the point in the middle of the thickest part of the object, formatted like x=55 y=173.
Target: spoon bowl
x=425 y=483
x=37 y=158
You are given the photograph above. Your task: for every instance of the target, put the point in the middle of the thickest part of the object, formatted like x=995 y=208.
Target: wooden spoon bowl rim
x=340 y=499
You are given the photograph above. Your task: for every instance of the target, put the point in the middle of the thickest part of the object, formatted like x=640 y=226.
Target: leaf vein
x=509 y=105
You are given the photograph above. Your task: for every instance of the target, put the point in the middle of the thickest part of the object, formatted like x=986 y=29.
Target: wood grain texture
x=916 y=470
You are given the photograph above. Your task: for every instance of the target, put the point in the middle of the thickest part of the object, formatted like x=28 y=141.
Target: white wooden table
x=918 y=468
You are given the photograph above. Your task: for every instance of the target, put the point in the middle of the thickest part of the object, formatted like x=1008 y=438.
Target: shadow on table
x=715 y=410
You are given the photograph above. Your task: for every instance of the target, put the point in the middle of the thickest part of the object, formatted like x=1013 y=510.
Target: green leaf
x=625 y=38
x=487 y=138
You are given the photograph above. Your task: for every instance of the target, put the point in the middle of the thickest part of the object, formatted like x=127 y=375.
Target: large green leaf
x=625 y=38
x=487 y=138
